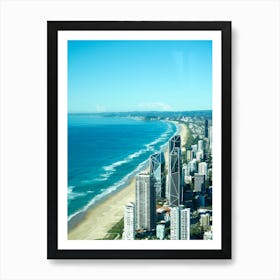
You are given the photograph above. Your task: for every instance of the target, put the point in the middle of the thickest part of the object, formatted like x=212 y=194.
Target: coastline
x=96 y=222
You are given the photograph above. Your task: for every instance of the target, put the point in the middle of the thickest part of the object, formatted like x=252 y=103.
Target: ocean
x=105 y=152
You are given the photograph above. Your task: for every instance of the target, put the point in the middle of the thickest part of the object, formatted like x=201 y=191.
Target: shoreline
x=75 y=220
x=95 y=222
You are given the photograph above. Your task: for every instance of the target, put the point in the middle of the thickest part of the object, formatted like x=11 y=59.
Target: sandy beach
x=97 y=222
x=100 y=219
x=183 y=133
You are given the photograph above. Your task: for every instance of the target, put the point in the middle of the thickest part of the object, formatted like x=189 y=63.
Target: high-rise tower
x=200 y=145
x=185 y=223
x=174 y=142
x=202 y=169
x=199 y=182
x=180 y=223
x=129 y=221
x=206 y=129
x=174 y=193
x=145 y=201
x=210 y=138
x=174 y=223
x=157 y=165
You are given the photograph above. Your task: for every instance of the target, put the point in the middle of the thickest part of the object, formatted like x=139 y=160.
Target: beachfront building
x=180 y=223
x=129 y=221
x=202 y=169
x=174 y=194
x=199 y=182
x=174 y=142
x=145 y=202
x=157 y=165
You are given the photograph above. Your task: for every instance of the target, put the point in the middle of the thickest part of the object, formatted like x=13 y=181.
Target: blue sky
x=114 y=76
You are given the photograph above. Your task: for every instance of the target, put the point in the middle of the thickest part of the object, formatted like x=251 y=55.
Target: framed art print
x=139 y=140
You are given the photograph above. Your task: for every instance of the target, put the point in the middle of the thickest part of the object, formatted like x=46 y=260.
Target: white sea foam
x=113 y=166
x=101 y=179
x=110 y=169
x=136 y=154
x=162 y=137
x=109 y=190
x=148 y=147
x=106 y=175
x=72 y=194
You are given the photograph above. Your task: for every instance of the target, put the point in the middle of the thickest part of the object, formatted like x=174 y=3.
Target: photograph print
x=140 y=140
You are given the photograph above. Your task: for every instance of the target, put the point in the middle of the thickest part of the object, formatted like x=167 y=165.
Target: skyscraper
x=145 y=202
x=129 y=221
x=157 y=164
x=205 y=221
x=185 y=224
x=194 y=150
x=174 y=142
x=185 y=173
x=192 y=166
x=180 y=223
x=160 y=231
x=202 y=169
x=174 y=223
x=199 y=155
x=210 y=138
x=199 y=182
x=206 y=129
x=174 y=193
x=189 y=154
x=206 y=145
x=200 y=145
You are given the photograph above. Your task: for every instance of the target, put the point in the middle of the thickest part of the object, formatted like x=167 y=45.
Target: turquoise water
x=105 y=152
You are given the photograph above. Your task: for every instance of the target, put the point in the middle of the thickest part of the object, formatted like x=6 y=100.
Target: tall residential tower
x=180 y=223
x=145 y=202
x=129 y=221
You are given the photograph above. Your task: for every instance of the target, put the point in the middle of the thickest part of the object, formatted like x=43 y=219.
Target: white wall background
x=256 y=142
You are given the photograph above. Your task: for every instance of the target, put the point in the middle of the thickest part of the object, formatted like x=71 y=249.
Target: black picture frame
x=52 y=88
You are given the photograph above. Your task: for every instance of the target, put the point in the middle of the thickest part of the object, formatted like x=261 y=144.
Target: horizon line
x=136 y=111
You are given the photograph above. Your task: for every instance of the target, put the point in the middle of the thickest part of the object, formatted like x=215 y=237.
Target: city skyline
x=180 y=207
x=160 y=75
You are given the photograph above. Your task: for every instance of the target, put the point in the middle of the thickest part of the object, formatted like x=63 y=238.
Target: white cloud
x=155 y=106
